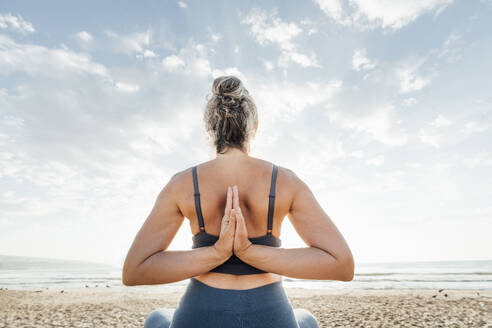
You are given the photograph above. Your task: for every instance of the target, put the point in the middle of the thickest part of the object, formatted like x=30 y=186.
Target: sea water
x=35 y=273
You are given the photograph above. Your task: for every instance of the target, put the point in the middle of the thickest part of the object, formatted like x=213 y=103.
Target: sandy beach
x=128 y=306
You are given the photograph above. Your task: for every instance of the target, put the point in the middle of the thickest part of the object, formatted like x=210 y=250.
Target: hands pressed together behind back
x=233 y=237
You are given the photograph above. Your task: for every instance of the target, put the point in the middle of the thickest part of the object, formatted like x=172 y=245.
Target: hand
x=241 y=241
x=224 y=245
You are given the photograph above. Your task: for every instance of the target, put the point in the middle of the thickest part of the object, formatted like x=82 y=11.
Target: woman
x=235 y=265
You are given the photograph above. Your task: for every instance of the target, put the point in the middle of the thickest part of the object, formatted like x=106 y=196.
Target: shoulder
x=177 y=183
x=291 y=183
x=289 y=177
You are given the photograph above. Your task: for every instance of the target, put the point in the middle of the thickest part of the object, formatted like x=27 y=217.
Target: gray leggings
x=206 y=306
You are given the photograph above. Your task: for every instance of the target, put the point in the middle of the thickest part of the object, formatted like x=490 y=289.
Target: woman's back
x=253 y=176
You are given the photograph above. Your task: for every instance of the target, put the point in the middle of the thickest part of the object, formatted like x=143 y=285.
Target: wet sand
x=129 y=306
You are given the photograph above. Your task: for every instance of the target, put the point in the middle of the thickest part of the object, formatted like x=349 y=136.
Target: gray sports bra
x=235 y=265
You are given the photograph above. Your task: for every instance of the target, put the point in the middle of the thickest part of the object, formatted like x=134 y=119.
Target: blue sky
x=382 y=107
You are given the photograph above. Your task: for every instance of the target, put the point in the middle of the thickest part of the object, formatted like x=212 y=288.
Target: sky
x=383 y=108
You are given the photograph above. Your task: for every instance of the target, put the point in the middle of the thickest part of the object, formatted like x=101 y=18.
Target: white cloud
x=312 y=28
x=172 y=62
x=148 y=54
x=230 y=71
x=299 y=58
x=34 y=59
x=377 y=161
x=182 y=4
x=84 y=36
x=449 y=50
x=476 y=126
x=202 y=67
x=357 y=154
x=376 y=120
x=16 y=23
x=216 y=37
x=285 y=100
x=270 y=29
x=392 y=14
x=333 y=9
x=440 y=121
x=409 y=101
x=275 y=31
x=433 y=134
x=126 y=87
x=360 y=61
x=136 y=43
x=268 y=64
x=480 y=159
x=409 y=78
x=430 y=137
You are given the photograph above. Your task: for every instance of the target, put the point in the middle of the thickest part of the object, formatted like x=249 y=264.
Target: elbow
x=127 y=279
x=347 y=268
x=128 y=276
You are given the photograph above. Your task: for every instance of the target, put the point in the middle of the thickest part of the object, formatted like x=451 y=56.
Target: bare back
x=253 y=177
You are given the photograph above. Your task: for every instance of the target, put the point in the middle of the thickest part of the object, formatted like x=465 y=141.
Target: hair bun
x=230 y=114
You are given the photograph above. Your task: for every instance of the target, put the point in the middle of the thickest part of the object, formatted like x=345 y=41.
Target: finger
x=236 y=197
x=239 y=219
x=228 y=205
x=232 y=222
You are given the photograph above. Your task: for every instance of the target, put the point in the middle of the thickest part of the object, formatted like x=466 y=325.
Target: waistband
x=201 y=295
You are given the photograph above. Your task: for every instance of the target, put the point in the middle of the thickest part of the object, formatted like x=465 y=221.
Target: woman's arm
x=149 y=263
x=328 y=256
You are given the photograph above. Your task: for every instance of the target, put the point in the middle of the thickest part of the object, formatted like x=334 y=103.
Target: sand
x=129 y=306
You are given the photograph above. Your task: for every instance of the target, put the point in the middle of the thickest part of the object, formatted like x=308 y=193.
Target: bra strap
x=271 y=200
x=198 y=207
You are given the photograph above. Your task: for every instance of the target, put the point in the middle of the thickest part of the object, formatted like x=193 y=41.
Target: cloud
x=216 y=37
x=360 y=61
x=482 y=158
x=39 y=60
x=270 y=29
x=334 y=10
x=375 y=120
x=377 y=161
x=182 y=4
x=410 y=101
x=409 y=78
x=191 y=60
x=18 y=24
x=84 y=36
x=387 y=14
x=286 y=100
x=310 y=25
x=135 y=43
x=449 y=50
x=430 y=138
x=268 y=64
x=440 y=121
x=357 y=154
x=433 y=135
x=126 y=87
x=172 y=62
x=476 y=126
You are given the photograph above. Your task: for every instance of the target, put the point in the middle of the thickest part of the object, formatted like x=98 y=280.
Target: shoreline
x=129 y=306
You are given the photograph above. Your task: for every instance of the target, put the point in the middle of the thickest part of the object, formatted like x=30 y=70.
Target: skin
x=234 y=215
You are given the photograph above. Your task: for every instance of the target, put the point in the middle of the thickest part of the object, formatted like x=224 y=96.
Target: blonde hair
x=230 y=114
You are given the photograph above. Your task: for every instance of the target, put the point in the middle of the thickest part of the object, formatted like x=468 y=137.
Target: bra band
x=198 y=207
x=271 y=199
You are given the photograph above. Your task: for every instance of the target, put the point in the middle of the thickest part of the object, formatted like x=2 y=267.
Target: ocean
x=38 y=273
